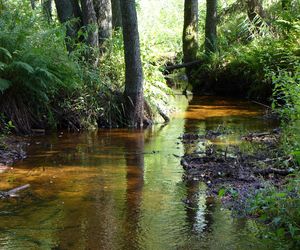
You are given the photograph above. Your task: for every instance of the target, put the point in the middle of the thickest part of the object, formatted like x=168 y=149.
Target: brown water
x=124 y=189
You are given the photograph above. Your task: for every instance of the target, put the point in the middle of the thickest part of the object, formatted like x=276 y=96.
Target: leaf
x=43 y=73
x=276 y=220
x=222 y=192
x=5 y=54
x=22 y=67
x=296 y=154
x=2 y=65
x=4 y=84
x=280 y=195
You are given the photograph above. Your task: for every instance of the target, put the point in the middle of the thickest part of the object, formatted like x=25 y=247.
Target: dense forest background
x=63 y=66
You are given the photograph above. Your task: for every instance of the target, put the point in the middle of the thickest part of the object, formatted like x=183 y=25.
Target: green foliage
x=249 y=50
x=41 y=85
x=286 y=93
x=278 y=210
x=33 y=68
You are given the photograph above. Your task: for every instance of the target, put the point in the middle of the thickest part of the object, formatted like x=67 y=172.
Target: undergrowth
x=247 y=52
x=43 y=86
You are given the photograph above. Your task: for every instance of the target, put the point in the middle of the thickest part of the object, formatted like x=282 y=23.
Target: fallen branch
x=183 y=65
x=163 y=115
x=261 y=104
x=268 y=171
x=12 y=192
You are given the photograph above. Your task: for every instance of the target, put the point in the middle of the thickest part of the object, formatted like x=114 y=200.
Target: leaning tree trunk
x=211 y=26
x=90 y=23
x=116 y=14
x=133 y=94
x=255 y=8
x=104 y=20
x=66 y=11
x=190 y=35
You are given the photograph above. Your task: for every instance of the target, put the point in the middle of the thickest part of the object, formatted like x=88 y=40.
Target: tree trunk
x=211 y=26
x=104 y=20
x=116 y=14
x=66 y=11
x=133 y=94
x=32 y=2
x=190 y=35
x=47 y=9
x=90 y=23
x=255 y=8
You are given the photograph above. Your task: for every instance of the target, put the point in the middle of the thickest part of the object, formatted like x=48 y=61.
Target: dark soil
x=11 y=150
x=231 y=172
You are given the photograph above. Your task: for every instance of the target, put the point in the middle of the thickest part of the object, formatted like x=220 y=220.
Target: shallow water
x=124 y=189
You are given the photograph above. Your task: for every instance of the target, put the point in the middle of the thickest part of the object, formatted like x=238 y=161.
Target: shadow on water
x=124 y=189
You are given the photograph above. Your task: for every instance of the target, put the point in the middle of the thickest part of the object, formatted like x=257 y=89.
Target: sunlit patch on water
x=124 y=189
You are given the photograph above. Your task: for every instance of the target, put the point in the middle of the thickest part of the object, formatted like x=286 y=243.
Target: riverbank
x=233 y=171
x=12 y=149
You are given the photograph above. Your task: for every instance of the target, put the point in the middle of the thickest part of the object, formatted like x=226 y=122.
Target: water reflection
x=134 y=148
x=123 y=189
x=195 y=201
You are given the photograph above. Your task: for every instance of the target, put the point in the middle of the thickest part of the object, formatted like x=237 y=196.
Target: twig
x=261 y=104
x=183 y=65
x=12 y=192
x=273 y=171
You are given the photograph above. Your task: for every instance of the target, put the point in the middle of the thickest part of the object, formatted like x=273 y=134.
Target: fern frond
x=4 y=84
x=5 y=55
x=21 y=67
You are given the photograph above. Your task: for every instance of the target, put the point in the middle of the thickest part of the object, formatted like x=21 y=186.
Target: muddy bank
x=230 y=171
x=12 y=149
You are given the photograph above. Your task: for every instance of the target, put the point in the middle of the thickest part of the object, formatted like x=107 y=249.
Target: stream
x=124 y=189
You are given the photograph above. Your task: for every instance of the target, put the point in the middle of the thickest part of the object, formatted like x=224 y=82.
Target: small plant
x=278 y=210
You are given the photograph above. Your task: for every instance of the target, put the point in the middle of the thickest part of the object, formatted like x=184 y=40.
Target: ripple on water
x=124 y=189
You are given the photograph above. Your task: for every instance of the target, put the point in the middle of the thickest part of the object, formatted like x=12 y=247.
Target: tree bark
x=190 y=35
x=211 y=26
x=255 y=8
x=116 y=14
x=134 y=98
x=32 y=2
x=104 y=20
x=90 y=23
x=66 y=11
x=47 y=9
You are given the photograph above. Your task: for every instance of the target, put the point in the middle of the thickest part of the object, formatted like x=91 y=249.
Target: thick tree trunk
x=104 y=20
x=116 y=14
x=47 y=9
x=211 y=26
x=66 y=11
x=134 y=73
x=190 y=35
x=90 y=22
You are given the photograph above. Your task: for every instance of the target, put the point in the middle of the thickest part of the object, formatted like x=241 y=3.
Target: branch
x=183 y=65
x=12 y=192
x=268 y=171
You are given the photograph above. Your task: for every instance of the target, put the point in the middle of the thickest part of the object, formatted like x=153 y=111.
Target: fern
x=5 y=55
x=4 y=84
